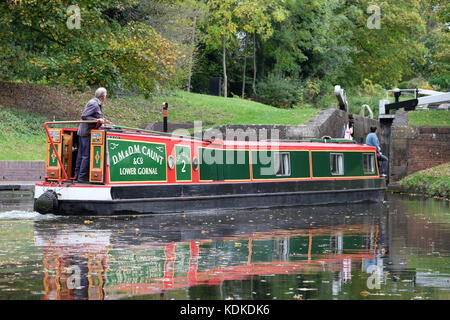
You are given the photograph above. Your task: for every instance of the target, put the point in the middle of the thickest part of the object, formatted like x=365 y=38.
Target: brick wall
x=22 y=170
x=417 y=148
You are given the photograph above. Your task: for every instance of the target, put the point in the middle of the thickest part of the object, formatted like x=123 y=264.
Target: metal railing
x=53 y=145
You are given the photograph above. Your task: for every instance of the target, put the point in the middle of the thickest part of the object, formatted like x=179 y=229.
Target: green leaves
x=129 y=44
x=37 y=45
x=387 y=54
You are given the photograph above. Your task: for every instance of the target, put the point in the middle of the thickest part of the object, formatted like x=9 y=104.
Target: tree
x=222 y=27
x=436 y=40
x=388 y=54
x=309 y=43
x=39 y=42
x=178 y=22
x=256 y=18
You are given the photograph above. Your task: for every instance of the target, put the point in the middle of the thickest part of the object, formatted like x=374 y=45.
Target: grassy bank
x=22 y=136
x=187 y=107
x=430 y=118
x=24 y=108
x=432 y=182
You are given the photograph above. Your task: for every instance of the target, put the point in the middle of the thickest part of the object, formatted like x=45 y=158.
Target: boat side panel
x=235 y=188
x=224 y=164
x=263 y=165
x=183 y=204
x=353 y=164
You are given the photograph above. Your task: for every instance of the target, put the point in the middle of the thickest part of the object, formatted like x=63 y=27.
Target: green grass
x=433 y=181
x=189 y=107
x=22 y=135
x=430 y=118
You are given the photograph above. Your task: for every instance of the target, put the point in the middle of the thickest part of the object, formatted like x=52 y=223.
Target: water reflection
x=152 y=255
x=396 y=250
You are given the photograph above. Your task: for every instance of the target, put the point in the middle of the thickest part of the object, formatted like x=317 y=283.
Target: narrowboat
x=136 y=171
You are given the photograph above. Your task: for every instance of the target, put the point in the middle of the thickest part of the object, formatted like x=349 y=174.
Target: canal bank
x=432 y=182
x=17 y=186
x=419 y=153
x=397 y=188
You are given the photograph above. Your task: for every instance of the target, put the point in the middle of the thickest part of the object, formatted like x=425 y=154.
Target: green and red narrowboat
x=134 y=171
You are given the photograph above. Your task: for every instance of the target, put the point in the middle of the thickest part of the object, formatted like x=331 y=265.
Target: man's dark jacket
x=92 y=111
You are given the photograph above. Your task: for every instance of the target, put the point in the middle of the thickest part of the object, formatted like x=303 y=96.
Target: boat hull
x=154 y=199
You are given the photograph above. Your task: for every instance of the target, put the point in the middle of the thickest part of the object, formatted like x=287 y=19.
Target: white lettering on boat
x=137 y=149
x=127 y=171
x=139 y=171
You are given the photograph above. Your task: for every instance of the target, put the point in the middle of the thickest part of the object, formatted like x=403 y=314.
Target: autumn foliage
x=40 y=42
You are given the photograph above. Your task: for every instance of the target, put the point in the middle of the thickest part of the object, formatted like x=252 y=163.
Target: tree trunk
x=244 y=68
x=191 y=62
x=254 y=64
x=224 y=65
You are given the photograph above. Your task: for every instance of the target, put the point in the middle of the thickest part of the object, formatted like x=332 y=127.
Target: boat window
x=369 y=163
x=337 y=163
x=283 y=164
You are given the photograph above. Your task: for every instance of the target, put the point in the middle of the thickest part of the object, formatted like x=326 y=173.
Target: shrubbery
x=443 y=82
x=279 y=92
x=107 y=50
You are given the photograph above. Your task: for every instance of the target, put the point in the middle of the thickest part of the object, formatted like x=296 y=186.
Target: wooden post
x=165 y=114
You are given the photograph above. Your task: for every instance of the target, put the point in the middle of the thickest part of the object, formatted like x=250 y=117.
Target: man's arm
x=378 y=144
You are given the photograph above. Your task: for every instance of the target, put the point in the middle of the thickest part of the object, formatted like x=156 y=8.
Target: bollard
x=165 y=114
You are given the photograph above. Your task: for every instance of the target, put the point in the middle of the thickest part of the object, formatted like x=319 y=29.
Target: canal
x=399 y=249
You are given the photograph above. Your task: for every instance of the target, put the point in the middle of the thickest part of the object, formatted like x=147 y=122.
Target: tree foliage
x=144 y=45
x=306 y=45
x=108 y=49
x=388 y=54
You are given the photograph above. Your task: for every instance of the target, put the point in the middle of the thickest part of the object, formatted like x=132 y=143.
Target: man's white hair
x=100 y=93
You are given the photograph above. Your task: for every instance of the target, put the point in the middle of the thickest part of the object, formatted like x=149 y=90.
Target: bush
x=279 y=92
x=313 y=89
x=417 y=83
x=443 y=82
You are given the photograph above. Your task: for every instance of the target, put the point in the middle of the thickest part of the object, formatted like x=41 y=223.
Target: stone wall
x=361 y=127
x=22 y=170
x=329 y=122
x=417 y=148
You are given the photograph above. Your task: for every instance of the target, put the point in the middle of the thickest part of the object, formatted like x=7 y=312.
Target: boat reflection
x=113 y=258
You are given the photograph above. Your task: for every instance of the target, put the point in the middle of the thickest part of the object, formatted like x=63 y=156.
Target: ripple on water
x=25 y=215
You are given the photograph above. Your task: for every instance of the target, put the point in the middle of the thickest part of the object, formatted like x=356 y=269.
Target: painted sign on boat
x=136 y=161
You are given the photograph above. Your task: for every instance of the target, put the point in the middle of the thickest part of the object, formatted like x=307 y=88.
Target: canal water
x=399 y=249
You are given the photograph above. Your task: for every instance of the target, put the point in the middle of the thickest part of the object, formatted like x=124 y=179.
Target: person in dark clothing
x=372 y=140
x=92 y=111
